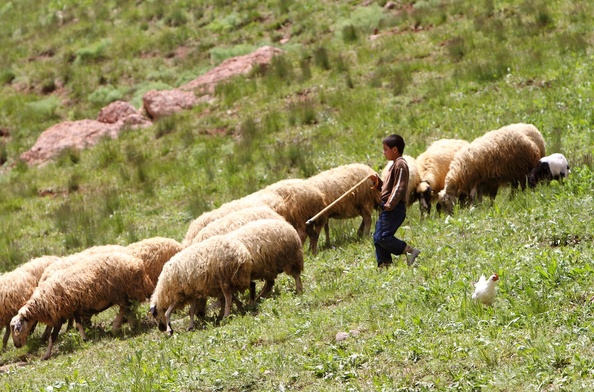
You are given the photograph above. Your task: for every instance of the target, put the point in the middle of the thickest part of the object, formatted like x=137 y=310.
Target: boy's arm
x=398 y=191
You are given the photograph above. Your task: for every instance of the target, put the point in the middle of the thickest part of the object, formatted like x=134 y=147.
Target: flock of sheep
x=254 y=238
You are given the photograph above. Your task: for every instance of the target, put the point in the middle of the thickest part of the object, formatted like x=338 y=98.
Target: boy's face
x=391 y=153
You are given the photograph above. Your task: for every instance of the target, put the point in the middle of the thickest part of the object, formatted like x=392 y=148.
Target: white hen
x=485 y=289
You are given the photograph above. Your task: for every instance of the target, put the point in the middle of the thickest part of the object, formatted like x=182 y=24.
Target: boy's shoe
x=413 y=255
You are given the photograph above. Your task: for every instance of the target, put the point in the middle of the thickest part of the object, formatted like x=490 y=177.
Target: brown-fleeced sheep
x=333 y=183
x=234 y=221
x=154 y=253
x=498 y=157
x=433 y=166
x=16 y=288
x=301 y=201
x=275 y=247
x=256 y=199
x=90 y=285
x=216 y=267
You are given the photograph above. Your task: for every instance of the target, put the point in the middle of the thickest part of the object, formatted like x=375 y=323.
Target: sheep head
x=159 y=315
x=20 y=329
x=446 y=201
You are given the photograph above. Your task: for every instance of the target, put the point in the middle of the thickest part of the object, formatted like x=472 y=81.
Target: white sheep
x=275 y=247
x=301 y=201
x=216 y=267
x=498 y=157
x=335 y=182
x=17 y=286
x=154 y=253
x=433 y=166
x=552 y=167
x=234 y=221
x=90 y=285
x=256 y=199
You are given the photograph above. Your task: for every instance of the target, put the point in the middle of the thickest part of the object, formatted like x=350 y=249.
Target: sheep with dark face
x=90 y=285
x=433 y=166
x=496 y=158
x=552 y=167
x=215 y=267
x=16 y=288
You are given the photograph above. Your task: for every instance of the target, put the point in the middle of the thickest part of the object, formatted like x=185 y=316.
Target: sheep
x=301 y=201
x=91 y=285
x=433 y=166
x=274 y=246
x=154 y=252
x=256 y=199
x=215 y=267
x=498 y=157
x=335 y=182
x=552 y=167
x=531 y=131
x=413 y=177
x=234 y=221
x=16 y=287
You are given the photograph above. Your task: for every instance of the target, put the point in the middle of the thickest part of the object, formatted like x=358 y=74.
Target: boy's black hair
x=395 y=141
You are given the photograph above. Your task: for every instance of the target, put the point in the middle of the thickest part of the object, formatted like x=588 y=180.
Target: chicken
x=485 y=289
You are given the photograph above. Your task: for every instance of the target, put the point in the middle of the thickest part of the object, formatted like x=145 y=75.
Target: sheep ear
x=153 y=311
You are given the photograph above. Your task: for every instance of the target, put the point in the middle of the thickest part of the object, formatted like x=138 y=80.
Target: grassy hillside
x=433 y=69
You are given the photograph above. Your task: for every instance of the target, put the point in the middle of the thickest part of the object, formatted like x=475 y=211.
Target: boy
x=393 y=206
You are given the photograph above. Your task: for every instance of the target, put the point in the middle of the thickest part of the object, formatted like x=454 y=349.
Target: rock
x=77 y=135
x=342 y=336
x=239 y=65
x=162 y=103
x=116 y=111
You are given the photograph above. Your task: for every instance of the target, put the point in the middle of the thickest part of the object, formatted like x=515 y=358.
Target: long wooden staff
x=312 y=220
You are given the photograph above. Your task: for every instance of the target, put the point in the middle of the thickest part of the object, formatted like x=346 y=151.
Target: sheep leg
x=327 y=232
x=313 y=235
x=52 y=340
x=46 y=334
x=5 y=338
x=119 y=320
x=365 y=226
x=268 y=285
x=228 y=300
x=131 y=315
x=298 y=284
x=192 y=314
x=80 y=327
x=168 y=318
x=252 y=292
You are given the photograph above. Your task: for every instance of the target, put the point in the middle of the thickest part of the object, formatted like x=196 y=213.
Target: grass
x=438 y=69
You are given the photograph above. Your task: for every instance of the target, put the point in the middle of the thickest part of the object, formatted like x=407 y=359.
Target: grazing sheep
x=496 y=158
x=154 y=252
x=275 y=247
x=335 y=182
x=90 y=285
x=433 y=166
x=216 y=267
x=531 y=131
x=301 y=201
x=256 y=199
x=16 y=287
x=552 y=167
x=234 y=221
x=413 y=177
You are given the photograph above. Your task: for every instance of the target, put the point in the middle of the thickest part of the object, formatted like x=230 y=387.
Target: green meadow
x=351 y=73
